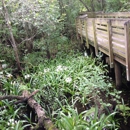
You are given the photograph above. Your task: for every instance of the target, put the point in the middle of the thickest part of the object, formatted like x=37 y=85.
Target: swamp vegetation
x=44 y=70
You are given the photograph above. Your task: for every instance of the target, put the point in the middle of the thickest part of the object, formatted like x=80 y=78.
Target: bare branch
x=11 y=97
x=43 y=121
x=84 y=5
x=28 y=39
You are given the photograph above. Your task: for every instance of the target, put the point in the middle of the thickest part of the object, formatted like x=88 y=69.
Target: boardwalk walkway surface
x=110 y=34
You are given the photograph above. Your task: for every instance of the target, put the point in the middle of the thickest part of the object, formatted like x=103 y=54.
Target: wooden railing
x=109 y=33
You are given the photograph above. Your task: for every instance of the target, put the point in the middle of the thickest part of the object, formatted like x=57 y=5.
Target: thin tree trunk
x=29 y=44
x=6 y=16
x=92 y=5
x=61 y=7
x=84 y=4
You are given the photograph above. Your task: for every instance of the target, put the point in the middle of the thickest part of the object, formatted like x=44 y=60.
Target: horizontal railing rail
x=109 y=35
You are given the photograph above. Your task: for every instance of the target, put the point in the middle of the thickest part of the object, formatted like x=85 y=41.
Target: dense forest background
x=22 y=22
x=39 y=53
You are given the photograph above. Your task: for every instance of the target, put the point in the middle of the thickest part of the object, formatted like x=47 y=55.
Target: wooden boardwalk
x=110 y=34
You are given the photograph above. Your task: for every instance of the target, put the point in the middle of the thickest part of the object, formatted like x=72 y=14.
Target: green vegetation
x=38 y=50
x=64 y=82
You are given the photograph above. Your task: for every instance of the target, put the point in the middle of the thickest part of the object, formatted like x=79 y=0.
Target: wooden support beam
x=95 y=37
x=109 y=30
x=127 y=48
x=85 y=23
x=92 y=51
x=118 y=74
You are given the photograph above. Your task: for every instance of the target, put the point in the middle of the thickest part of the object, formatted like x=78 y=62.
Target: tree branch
x=84 y=5
x=8 y=22
x=43 y=121
x=29 y=38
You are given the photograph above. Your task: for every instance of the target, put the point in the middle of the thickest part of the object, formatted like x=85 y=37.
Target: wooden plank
x=91 y=37
x=120 y=60
x=118 y=23
x=91 y=43
x=110 y=44
x=118 y=36
x=101 y=32
x=119 y=43
x=87 y=44
x=103 y=45
x=101 y=21
x=101 y=27
x=102 y=36
x=90 y=27
x=114 y=15
x=119 y=47
x=95 y=39
x=89 y=22
x=118 y=40
x=103 y=50
x=127 y=48
x=103 y=41
x=83 y=34
x=118 y=30
x=90 y=33
x=117 y=52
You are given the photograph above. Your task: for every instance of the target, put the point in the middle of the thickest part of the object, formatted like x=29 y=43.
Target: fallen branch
x=11 y=97
x=43 y=121
x=20 y=99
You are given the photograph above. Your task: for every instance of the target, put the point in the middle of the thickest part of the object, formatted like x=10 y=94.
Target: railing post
x=95 y=38
x=86 y=30
x=127 y=48
x=109 y=30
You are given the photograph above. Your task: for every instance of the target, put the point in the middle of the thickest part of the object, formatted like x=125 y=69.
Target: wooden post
x=80 y=25
x=109 y=30
x=87 y=44
x=95 y=38
x=92 y=51
x=127 y=48
x=118 y=74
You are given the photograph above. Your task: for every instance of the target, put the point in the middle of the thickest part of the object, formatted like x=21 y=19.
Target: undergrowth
x=74 y=92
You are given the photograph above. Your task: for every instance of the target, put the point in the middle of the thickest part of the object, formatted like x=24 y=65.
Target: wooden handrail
x=109 y=35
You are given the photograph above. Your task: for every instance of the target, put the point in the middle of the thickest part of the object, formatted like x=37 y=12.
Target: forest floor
x=73 y=90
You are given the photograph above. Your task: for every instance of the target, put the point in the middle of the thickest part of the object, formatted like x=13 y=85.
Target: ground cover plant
x=73 y=91
x=37 y=55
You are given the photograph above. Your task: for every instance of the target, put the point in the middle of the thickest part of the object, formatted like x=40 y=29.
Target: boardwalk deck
x=109 y=33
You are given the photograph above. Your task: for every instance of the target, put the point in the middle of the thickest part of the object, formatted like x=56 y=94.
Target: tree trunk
x=29 y=41
x=61 y=7
x=92 y=6
x=84 y=5
x=6 y=16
